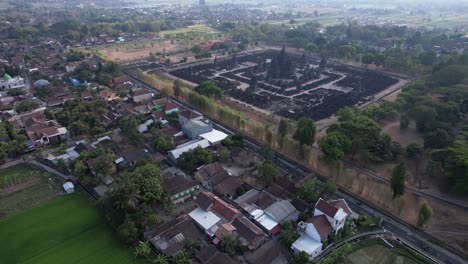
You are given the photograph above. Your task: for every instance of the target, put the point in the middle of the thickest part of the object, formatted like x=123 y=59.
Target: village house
x=328 y=217
x=142 y=95
x=178 y=186
x=194 y=128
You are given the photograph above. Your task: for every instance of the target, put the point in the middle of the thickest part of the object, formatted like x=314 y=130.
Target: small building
x=142 y=95
x=214 y=137
x=69 y=187
x=11 y=83
x=176 y=153
x=206 y=220
x=178 y=186
x=187 y=115
x=195 y=128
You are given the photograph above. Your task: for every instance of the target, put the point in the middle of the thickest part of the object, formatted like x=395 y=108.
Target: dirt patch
x=404 y=136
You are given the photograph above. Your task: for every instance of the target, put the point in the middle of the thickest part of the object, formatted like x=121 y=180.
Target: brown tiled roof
x=141 y=91
x=279 y=191
x=224 y=209
x=322 y=225
x=120 y=79
x=342 y=204
x=264 y=200
x=204 y=200
x=178 y=184
x=172 y=235
x=169 y=106
x=228 y=186
x=213 y=168
x=86 y=94
x=248 y=230
x=47 y=131
x=211 y=255
x=326 y=208
x=218 y=177
x=300 y=205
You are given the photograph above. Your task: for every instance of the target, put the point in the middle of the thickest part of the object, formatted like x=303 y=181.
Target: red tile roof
x=169 y=106
x=326 y=208
x=343 y=205
x=224 y=209
x=322 y=225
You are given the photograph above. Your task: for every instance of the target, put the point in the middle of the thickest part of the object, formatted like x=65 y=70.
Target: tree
x=268 y=172
x=437 y=139
x=162 y=144
x=425 y=214
x=305 y=132
x=195 y=49
x=79 y=169
x=307 y=191
x=224 y=155
x=127 y=231
x=181 y=258
x=194 y=158
x=148 y=178
x=282 y=131
x=142 y=249
x=160 y=259
x=413 y=150
x=398 y=180
x=334 y=146
x=300 y=258
x=289 y=232
x=330 y=188
x=177 y=89
x=231 y=245
x=209 y=88
x=129 y=130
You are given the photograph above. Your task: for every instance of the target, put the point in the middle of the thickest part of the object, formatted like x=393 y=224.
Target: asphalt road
x=405 y=233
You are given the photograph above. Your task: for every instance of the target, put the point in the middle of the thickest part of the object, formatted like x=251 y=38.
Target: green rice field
x=68 y=229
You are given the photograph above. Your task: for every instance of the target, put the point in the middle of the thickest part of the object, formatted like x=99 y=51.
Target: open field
x=68 y=229
x=23 y=187
x=176 y=41
x=15 y=175
x=371 y=251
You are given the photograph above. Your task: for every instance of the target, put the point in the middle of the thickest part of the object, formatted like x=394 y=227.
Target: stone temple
x=281 y=67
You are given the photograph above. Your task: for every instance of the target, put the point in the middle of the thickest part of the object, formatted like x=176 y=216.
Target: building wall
x=13 y=83
x=143 y=97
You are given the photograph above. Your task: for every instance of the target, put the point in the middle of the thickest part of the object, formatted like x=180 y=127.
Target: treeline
x=406 y=50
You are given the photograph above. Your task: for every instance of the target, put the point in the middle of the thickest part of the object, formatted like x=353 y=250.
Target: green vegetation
x=289 y=232
x=425 y=214
x=231 y=245
x=372 y=251
x=18 y=174
x=398 y=180
x=268 y=172
x=66 y=229
x=307 y=191
x=210 y=89
x=358 y=135
x=82 y=118
x=194 y=158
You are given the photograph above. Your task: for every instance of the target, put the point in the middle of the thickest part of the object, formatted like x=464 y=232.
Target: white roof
x=119 y=160
x=214 y=136
x=307 y=244
x=68 y=185
x=186 y=147
x=205 y=219
x=265 y=220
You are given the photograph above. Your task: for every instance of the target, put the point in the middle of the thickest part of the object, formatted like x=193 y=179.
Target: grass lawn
x=19 y=174
x=68 y=229
x=371 y=251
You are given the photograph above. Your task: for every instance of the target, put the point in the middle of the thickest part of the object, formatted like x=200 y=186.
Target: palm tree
x=160 y=259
